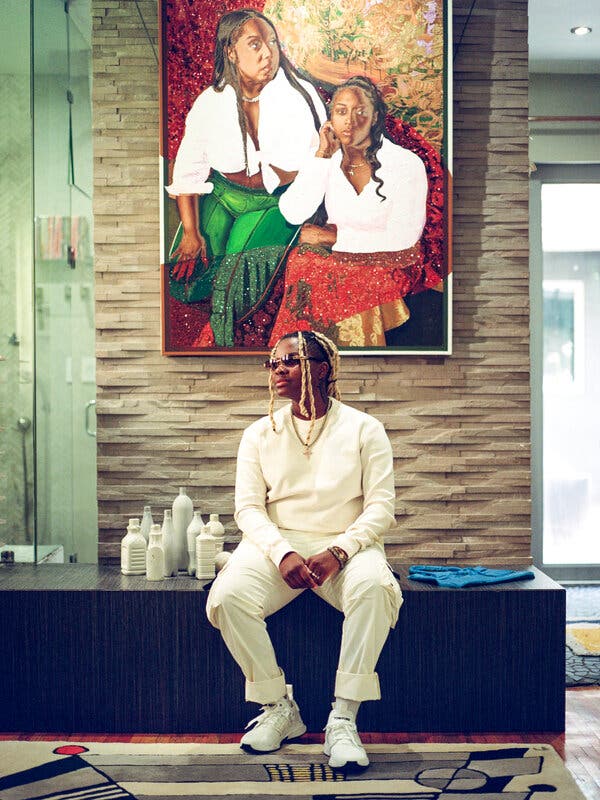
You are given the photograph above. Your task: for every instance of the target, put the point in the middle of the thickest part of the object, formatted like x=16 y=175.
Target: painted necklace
x=349 y=168
x=307 y=445
x=251 y=99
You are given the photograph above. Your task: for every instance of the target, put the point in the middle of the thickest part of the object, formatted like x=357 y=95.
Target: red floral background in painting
x=188 y=45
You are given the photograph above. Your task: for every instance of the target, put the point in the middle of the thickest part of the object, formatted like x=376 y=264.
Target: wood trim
x=594 y=118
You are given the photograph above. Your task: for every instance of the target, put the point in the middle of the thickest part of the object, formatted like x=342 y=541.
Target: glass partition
x=17 y=513
x=565 y=369
x=48 y=485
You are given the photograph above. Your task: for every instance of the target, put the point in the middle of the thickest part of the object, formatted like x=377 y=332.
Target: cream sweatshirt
x=345 y=488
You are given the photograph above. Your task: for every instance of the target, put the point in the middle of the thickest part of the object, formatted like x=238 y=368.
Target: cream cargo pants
x=250 y=588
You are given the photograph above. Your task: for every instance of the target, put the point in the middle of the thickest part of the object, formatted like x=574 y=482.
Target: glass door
x=17 y=514
x=48 y=509
x=565 y=240
x=64 y=288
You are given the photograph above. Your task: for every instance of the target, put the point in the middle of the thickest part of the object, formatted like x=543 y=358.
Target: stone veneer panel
x=459 y=425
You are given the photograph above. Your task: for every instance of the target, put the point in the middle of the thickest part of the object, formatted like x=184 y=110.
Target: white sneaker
x=343 y=744
x=278 y=722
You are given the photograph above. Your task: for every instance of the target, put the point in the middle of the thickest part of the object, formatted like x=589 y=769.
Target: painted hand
x=190 y=247
x=328 y=141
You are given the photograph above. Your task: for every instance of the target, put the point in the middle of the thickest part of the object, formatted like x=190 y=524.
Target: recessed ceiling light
x=581 y=30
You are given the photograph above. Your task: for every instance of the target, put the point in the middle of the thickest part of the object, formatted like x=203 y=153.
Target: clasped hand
x=300 y=573
x=325 y=235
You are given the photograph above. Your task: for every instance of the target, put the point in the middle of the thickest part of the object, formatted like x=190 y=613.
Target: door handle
x=88 y=407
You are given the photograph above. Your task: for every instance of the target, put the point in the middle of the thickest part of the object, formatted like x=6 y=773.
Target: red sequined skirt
x=353 y=298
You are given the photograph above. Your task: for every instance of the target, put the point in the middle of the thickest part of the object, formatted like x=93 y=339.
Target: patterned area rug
x=100 y=771
x=583 y=636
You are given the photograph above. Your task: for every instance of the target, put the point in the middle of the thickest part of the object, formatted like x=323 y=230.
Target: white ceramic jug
x=133 y=550
x=205 y=555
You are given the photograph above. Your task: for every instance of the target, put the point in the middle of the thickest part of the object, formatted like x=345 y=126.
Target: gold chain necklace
x=349 y=168
x=306 y=445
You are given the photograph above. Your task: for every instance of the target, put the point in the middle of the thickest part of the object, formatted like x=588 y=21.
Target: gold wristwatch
x=341 y=556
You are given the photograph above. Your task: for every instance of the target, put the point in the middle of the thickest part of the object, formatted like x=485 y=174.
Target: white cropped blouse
x=364 y=223
x=213 y=139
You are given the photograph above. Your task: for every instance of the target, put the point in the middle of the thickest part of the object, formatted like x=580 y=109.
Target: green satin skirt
x=246 y=238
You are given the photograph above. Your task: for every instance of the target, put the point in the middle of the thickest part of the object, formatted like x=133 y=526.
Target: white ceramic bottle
x=218 y=531
x=168 y=544
x=147 y=523
x=133 y=550
x=155 y=556
x=193 y=530
x=205 y=555
x=183 y=511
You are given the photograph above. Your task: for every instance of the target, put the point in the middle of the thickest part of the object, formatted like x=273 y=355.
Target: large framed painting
x=306 y=178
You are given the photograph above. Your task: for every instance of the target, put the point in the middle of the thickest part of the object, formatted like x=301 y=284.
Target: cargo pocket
x=393 y=591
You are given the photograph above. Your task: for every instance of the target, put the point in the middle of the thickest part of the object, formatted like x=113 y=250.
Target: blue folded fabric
x=455 y=577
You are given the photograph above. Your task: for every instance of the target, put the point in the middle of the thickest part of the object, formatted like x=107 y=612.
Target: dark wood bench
x=86 y=649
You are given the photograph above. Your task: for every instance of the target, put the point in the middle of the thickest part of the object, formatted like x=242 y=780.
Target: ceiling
x=552 y=46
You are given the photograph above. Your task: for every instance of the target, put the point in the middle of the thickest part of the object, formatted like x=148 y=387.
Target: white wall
x=562 y=95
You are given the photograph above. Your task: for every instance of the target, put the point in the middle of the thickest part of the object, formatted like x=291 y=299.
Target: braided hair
x=377 y=131
x=316 y=345
x=225 y=72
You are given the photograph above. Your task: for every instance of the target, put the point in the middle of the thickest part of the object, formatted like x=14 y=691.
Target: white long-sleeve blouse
x=213 y=139
x=365 y=223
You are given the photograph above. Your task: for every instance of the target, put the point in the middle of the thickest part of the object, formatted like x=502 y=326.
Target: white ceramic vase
x=183 y=511
x=168 y=544
x=194 y=529
x=147 y=523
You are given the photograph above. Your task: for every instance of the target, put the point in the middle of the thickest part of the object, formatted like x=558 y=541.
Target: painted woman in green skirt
x=246 y=137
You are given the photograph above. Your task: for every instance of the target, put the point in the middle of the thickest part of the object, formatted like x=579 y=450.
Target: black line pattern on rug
x=292 y=773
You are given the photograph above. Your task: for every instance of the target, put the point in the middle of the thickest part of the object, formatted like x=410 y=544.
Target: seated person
x=375 y=195
x=314 y=495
